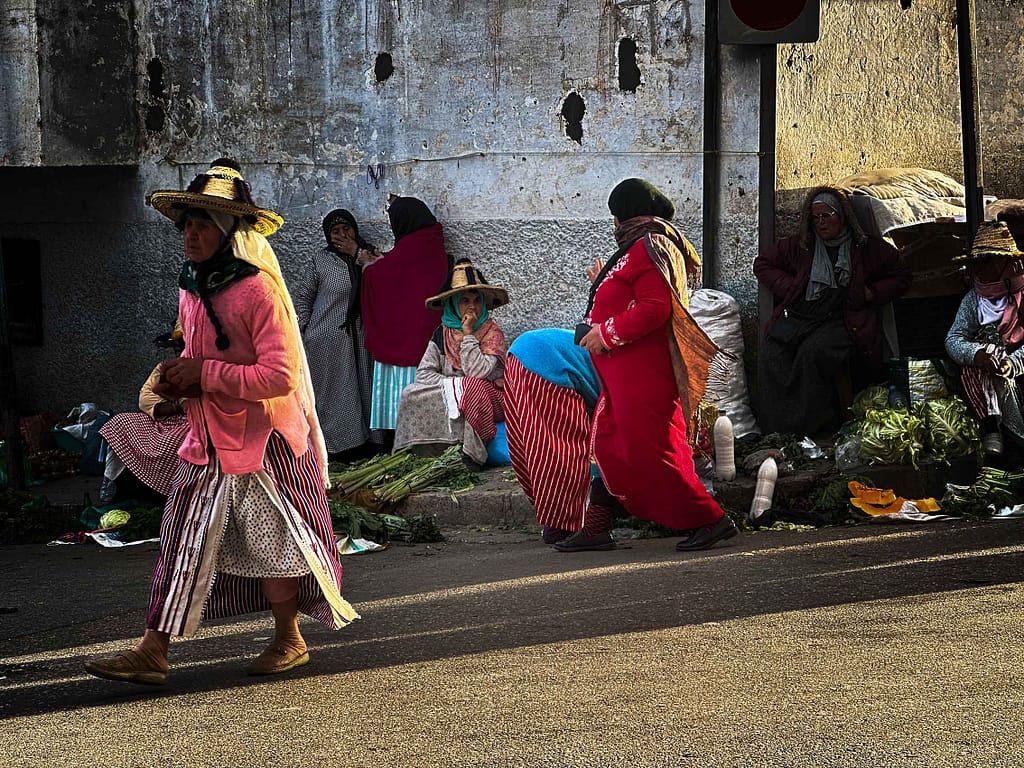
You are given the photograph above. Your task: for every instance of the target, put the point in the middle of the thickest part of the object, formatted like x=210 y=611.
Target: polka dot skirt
x=257 y=543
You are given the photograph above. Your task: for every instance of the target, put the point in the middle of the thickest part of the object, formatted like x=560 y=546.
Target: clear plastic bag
x=848 y=453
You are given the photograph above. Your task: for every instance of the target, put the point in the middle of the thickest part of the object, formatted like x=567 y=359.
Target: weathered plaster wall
x=470 y=120
x=880 y=89
x=19 y=84
x=67 y=96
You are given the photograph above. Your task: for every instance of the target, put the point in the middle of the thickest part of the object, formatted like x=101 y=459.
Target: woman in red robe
x=653 y=362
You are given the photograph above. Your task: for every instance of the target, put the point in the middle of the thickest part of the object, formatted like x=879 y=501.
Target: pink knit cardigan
x=249 y=389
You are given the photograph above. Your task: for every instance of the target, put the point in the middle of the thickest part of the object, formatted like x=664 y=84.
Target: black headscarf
x=338 y=216
x=206 y=278
x=637 y=197
x=407 y=215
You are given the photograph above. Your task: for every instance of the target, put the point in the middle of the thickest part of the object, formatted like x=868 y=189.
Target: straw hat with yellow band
x=993 y=240
x=222 y=188
x=466 y=277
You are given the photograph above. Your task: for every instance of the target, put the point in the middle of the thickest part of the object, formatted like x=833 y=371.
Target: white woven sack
x=718 y=314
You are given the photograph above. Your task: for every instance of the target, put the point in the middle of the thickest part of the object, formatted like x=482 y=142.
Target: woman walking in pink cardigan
x=246 y=527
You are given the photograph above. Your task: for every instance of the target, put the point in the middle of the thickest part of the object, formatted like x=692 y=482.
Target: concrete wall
x=67 y=93
x=880 y=89
x=470 y=120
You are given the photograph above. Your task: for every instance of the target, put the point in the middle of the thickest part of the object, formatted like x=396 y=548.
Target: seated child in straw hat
x=456 y=397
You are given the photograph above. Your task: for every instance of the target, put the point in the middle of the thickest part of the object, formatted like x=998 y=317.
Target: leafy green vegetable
x=870 y=399
x=891 y=436
x=951 y=432
x=992 y=489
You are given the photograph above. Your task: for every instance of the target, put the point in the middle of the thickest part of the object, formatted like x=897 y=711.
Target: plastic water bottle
x=767 y=474
x=896 y=398
x=725 y=448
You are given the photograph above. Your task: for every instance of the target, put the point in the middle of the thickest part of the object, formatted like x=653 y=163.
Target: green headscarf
x=451 y=317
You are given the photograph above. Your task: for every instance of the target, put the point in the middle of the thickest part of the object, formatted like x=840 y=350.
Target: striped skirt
x=548 y=443
x=388 y=383
x=187 y=587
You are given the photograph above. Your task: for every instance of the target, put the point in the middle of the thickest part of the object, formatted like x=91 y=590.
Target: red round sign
x=765 y=15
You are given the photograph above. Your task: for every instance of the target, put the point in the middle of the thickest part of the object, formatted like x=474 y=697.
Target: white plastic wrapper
x=718 y=315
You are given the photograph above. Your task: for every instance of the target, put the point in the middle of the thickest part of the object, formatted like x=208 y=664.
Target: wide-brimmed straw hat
x=993 y=240
x=221 y=188
x=466 y=277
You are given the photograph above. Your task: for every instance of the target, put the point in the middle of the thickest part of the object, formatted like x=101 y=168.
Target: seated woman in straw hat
x=987 y=336
x=456 y=397
x=246 y=526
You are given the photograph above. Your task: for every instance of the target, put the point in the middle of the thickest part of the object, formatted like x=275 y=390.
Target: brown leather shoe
x=277 y=658
x=127 y=667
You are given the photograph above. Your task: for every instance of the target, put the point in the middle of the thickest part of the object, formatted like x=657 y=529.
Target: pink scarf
x=490 y=336
x=1012 y=289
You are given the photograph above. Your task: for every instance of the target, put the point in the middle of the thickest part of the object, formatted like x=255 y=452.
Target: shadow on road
x=447 y=602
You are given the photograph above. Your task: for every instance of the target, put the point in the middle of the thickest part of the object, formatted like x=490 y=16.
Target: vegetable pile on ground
x=992 y=490
x=143 y=521
x=788 y=449
x=941 y=429
x=28 y=519
x=826 y=505
x=363 y=495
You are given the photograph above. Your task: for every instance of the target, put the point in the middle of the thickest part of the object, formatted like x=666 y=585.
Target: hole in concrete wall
x=573 y=109
x=629 y=72
x=383 y=67
x=155 y=70
x=155 y=118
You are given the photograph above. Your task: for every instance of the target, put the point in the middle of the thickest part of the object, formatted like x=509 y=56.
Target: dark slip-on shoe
x=709 y=535
x=583 y=542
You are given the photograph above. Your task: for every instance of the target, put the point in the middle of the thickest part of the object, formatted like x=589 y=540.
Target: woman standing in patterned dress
x=246 y=527
x=328 y=306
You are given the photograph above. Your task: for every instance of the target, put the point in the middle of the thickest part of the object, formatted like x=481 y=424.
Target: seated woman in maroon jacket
x=829 y=283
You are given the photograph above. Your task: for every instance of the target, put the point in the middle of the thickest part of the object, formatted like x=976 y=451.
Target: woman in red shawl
x=457 y=395
x=396 y=323
x=653 y=363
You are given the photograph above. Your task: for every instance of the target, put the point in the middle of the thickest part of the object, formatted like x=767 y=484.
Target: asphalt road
x=870 y=646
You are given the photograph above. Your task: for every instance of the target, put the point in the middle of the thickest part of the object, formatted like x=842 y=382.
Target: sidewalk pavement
x=498 y=500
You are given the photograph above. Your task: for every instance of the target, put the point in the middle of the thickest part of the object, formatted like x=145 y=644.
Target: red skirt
x=639 y=438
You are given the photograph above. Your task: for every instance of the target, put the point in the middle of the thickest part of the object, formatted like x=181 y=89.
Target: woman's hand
x=180 y=377
x=469 y=321
x=988 y=361
x=592 y=342
x=343 y=240
x=366 y=256
x=595 y=269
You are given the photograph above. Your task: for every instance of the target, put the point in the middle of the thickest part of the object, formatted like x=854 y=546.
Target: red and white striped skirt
x=548 y=442
x=187 y=587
